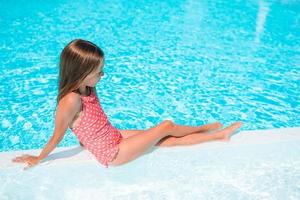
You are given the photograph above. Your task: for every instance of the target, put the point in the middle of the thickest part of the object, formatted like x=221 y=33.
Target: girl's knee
x=169 y=123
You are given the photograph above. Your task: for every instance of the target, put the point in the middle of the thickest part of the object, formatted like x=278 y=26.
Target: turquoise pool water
x=190 y=61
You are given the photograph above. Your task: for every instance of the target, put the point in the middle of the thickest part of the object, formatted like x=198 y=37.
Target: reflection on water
x=263 y=10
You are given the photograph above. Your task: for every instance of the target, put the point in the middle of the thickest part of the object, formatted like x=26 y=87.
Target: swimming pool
x=193 y=62
x=189 y=61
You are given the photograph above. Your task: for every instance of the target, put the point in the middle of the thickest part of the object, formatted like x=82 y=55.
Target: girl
x=79 y=108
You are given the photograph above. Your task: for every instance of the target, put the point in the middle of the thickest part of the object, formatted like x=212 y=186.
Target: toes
x=216 y=125
x=240 y=123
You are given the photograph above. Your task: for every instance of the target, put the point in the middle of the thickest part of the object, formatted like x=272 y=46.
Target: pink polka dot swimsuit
x=95 y=131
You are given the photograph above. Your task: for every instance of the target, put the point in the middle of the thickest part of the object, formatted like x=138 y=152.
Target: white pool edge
x=74 y=154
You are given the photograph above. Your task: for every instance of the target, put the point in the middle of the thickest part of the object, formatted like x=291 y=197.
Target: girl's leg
x=179 y=128
x=223 y=135
x=132 y=147
x=186 y=130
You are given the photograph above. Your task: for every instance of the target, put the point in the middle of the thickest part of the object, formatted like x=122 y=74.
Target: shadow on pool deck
x=64 y=154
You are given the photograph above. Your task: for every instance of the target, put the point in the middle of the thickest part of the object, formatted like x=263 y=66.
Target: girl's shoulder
x=71 y=101
x=72 y=98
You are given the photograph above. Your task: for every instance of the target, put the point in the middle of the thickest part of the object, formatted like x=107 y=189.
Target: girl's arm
x=66 y=110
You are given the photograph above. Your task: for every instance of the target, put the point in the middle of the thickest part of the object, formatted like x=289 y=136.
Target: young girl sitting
x=79 y=108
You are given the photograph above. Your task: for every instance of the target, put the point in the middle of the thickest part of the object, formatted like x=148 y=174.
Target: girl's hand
x=30 y=160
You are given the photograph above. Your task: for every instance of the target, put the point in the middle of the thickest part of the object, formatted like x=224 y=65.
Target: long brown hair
x=77 y=60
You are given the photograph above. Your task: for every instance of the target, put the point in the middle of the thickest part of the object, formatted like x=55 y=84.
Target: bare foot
x=210 y=127
x=226 y=133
